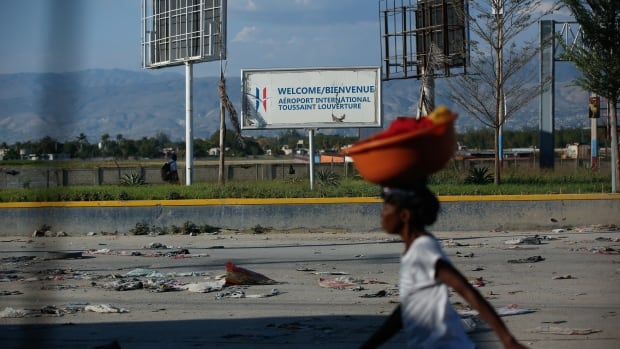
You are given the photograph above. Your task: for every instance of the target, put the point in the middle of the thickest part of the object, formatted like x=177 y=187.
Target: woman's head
x=416 y=206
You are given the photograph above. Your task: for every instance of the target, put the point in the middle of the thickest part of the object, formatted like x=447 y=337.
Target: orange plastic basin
x=400 y=159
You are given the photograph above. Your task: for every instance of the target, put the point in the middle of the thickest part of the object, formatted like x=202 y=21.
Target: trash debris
x=563 y=277
x=508 y=310
x=125 y=285
x=336 y=283
x=9 y=312
x=564 y=330
x=532 y=259
x=477 y=281
x=206 y=286
x=530 y=240
x=330 y=273
x=512 y=309
x=105 y=308
x=273 y=292
x=240 y=276
x=452 y=243
x=239 y=293
x=62 y=255
x=466 y=255
x=152 y=273
x=50 y=309
x=601 y=238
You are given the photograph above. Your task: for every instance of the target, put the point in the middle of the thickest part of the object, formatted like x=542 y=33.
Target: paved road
x=574 y=287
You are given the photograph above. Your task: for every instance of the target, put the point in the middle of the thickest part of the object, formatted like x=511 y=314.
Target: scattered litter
x=240 y=276
x=124 y=285
x=477 y=281
x=559 y=230
x=10 y=293
x=9 y=312
x=532 y=259
x=305 y=269
x=466 y=255
x=163 y=285
x=336 y=283
x=330 y=273
x=158 y=245
x=105 y=308
x=508 y=310
x=152 y=273
x=273 y=292
x=50 y=309
x=607 y=239
x=230 y=294
x=563 y=277
x=530 y=240
x=599 y=250
x=149 y=273
x=206 y=286
x=512 y=309
x=452 y=243
x=564 y=330
x=75 y=307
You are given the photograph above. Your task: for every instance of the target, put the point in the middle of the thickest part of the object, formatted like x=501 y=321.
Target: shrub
x=132 y=178
x=479 y=175
x=328 y=178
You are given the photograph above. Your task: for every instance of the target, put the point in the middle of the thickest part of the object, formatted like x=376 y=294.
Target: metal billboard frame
x=409 y=30
x=175 y=32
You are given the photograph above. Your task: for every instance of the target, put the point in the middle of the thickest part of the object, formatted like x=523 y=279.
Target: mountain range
x=137 y=104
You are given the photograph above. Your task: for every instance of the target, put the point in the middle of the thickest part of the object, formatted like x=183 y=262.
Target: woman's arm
x=390 y=327
x=447 y=273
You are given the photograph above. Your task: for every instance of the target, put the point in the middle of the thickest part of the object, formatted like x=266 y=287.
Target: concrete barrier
x=459 y=213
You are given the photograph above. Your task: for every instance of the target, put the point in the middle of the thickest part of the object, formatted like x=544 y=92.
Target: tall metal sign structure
x=570 y=32
x=423 y=39
x=183 y=32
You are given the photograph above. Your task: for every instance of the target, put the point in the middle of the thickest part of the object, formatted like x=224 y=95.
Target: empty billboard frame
x=175 y=32
x=311 y=98
x=410 y=27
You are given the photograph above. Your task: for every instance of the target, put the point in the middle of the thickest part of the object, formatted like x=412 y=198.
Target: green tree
x=597 y=60
x=105 y=144
x=497 y=84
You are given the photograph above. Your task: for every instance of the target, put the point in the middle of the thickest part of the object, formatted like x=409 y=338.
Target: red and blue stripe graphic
x=261 y=99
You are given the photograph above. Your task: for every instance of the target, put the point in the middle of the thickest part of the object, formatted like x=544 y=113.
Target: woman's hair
x=418 y=199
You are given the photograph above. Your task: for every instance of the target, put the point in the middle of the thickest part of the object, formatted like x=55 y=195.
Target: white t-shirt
x=429 y=320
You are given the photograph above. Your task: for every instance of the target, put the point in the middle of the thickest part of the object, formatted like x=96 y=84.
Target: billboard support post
x=176 y=33
x=189 y=132
x=311 y=156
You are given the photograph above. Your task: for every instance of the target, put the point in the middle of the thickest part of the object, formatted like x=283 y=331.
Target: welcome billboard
x=311 y=98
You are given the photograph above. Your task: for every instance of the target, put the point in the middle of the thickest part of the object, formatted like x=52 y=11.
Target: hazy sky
x=70 y=35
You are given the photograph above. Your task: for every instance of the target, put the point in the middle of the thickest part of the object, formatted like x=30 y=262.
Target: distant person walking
x=169 y=171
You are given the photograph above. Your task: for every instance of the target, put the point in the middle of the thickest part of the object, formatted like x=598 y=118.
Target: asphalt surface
x=45 y=289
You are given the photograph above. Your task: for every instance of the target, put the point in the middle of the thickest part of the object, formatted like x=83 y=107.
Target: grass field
x=450 y=181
